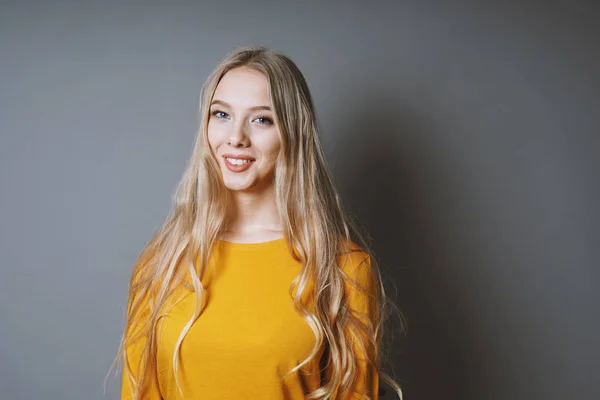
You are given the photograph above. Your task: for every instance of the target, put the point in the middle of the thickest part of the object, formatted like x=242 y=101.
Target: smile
x=237 y=164
x=237 y=161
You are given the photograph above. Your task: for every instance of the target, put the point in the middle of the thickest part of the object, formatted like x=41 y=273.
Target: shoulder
x=352 y=256
x=360 y=281
x=356 y=263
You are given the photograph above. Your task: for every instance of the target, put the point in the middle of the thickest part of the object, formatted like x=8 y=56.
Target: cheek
x=213 y=136
x=272 y=146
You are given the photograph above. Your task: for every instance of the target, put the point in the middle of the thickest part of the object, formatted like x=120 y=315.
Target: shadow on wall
x=388 y=173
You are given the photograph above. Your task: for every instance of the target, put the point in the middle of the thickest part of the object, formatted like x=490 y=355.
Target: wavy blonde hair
x=314 y=225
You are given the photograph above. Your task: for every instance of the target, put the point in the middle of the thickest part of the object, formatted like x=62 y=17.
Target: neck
x=253 y=211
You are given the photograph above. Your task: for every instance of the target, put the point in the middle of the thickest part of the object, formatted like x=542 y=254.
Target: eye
x=264 y=120
x=219 y=114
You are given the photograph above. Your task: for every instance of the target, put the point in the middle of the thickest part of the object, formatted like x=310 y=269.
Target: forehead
x=243 y=87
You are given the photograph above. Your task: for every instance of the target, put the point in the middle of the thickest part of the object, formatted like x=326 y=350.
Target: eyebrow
x=255 y=108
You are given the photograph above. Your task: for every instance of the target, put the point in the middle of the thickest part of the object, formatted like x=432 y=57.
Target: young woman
x=257 y=286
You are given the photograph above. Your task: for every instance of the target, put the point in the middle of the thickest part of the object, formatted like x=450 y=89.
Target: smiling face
x=241 y=130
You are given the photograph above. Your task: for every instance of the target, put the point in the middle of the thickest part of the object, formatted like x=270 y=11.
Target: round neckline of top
x=252 y=246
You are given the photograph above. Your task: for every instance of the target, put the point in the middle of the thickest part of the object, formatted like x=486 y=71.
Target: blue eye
x=265 y=120
x=219 y=114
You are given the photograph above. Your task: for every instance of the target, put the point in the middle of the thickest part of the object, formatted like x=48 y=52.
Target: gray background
x=463 y=134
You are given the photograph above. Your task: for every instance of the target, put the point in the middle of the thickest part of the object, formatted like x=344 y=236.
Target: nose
x=238 y=135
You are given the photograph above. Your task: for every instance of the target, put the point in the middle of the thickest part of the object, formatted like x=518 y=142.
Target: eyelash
x=269 y=120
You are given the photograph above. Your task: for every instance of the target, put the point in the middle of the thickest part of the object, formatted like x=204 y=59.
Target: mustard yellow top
x=249 y=335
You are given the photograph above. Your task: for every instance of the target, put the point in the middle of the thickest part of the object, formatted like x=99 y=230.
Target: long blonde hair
x=314 y=225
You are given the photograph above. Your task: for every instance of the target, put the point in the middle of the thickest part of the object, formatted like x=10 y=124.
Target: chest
x=249 y=315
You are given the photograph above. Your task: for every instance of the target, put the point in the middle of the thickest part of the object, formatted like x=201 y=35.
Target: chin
x=236 y=188
x=239 y=185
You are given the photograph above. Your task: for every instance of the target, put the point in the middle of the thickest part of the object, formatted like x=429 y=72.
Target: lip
x=239 y=156
x=238 y=168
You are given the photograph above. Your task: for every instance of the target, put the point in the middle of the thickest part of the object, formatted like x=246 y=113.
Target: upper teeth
x=237 y=161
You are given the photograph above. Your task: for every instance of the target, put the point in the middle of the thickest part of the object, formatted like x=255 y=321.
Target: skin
x=235 y=126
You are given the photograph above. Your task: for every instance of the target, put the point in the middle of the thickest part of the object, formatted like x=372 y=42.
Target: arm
x=362 y=298
x=133 y=357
